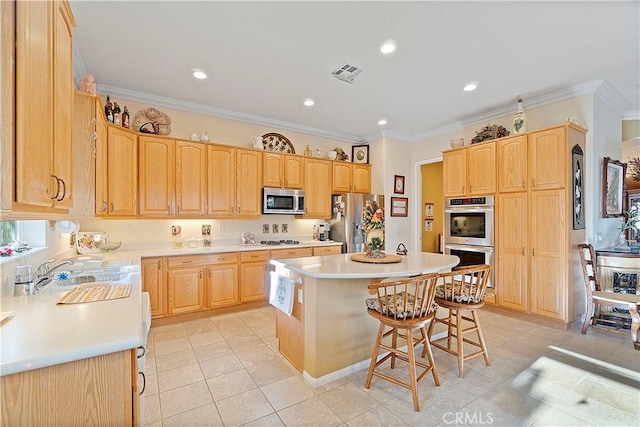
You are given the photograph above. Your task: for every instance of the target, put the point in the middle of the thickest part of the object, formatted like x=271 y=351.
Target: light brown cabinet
x=454 y=170
x=351 y=178
x=470 y=171
x=222 y=281
x=253 y=276
x=120 y=175
x=318 y=189
x=173 y=178
x=185 y=283
x=234 y=182
x=537 y=267
x=153 y=273
x=327 y=250
x=43 y=128
x=291 y=253
x=282 y=171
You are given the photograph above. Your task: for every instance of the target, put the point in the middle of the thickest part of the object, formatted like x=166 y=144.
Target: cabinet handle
x=462 y=189
x=254 y=256
x=522 y=251
x=185 y=262
x=55 y=196
x=105 y=206
x=470 y=188
x=280 y=182
x=200 y=274
x=533 y=182
x=159 y=265
x=144 y=382
x=523 y=183
x=533 y=252
x=239 y=209
x=168 y=209
x=64 y=189
x=209 y=270
x=112 y=207
x=178 y=209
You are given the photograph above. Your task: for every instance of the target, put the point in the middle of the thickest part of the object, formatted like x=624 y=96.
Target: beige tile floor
x=226 y=371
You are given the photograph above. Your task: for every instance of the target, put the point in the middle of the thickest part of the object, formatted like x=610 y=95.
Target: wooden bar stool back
x=403 y=306
x=458 y=292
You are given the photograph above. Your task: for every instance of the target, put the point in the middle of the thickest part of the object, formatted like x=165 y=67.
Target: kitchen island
x=329 y=333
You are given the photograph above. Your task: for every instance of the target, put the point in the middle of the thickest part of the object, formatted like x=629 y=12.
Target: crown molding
x=385 y=133
x=611 y=96
x=631 y=115
x=222 y=113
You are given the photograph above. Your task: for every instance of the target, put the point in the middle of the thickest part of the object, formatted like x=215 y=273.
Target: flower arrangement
x=632 y=222
x=341 y=155
x=373 y=225
x=490 y=132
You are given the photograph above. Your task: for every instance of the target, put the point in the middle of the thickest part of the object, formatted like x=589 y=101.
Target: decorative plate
x=277 y=142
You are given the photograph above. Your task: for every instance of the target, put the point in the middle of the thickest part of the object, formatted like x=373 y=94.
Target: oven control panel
x=471 y=201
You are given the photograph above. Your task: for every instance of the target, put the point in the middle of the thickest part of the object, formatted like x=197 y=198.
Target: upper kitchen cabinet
x=512 y=164
x=173 y=177
x=470 y=171
x=120 y=174
x=547 y=159
x=318 y=189
x=43 y=105
x=234 y=182
x=351 y=178
x=282 y=170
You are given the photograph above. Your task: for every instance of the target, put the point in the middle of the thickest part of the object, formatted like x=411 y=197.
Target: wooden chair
x=459 y=291
x=404 y=305
x=596 y=297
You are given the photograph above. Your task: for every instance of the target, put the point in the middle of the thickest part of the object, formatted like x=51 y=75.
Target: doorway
x=432 y=210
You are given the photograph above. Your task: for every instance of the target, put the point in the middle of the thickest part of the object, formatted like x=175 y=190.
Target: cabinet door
x=185 y=289
x=249 y=183
x=273 y=170
x=63 y=102
x=122 y=161
x=34 y=103
x=156 y=162
x=547 y=159
x=454 y=170
x=221 y=172
x=191 y=178
x=512 y=284
x=548 y=253
x=102 y=162
x=481 y=168
x=153 y=282
x=327 y=250
x=361 y=178
x=341 y=177
x=512 y=164
x=318 y=189
x=293 y=172
x=222 y=286
x=253 y=279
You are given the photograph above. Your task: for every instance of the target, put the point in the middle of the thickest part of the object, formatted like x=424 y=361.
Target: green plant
x=631 y=221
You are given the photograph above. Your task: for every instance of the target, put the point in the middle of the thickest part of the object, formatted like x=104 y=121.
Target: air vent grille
x=347 y=73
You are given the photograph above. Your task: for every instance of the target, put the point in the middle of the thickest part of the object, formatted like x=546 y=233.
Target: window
x=7 y=232
x=33 y=232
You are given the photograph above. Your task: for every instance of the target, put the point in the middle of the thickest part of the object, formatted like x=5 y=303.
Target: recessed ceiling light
x=382 y=122
x=198 y=74
x=471 y=86
x=309 y=102
x=388 y=47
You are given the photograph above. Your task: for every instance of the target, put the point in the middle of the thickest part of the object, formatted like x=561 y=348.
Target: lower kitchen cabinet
x=153 y=282
x=185 y=290
x=100 y=390
x=222 y=281
x=327 y=250
x=254 y=285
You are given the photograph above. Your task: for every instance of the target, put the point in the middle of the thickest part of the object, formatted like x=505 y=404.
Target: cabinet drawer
x=327 y=250
x=291 y=253
x=196 y=260
x=254 y=256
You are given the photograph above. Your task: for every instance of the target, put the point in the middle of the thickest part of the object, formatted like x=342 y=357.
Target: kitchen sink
x=116 y=274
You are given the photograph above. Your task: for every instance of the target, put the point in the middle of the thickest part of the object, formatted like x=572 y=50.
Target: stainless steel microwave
x=282 y=201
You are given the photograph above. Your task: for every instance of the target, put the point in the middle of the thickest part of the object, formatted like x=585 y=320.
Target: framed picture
x=613 y=174
x=428 y=210
x=399 y=206
x=398 y=184
x=428 y=225
x=360 y=153
x=577 y=172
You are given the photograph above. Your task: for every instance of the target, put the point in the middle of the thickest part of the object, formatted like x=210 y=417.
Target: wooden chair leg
x=483 y=345
x=394 y=345
x=635 y=324
x=449 y=329
x=460 y=343
x=587 y=317
x=374 y=357
x=427 y=350
x=412 y=371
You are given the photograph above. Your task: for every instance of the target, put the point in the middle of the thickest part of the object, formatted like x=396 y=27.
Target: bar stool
x=404 y=306
x=458 y=291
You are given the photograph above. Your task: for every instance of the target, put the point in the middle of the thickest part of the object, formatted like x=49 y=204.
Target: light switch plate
x=300 y=296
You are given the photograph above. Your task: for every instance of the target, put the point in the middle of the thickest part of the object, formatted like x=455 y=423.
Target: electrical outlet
x=265 y=228
x=598 y=237
x=274 y=228
x=300 y=296
x=129 y=227
x=284 y=228
x=221 y=226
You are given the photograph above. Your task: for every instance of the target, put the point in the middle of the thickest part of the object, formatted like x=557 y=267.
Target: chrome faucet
x=42 y=276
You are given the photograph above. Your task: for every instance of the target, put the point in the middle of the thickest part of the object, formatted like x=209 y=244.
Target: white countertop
x=42 y=333
x=342 y=267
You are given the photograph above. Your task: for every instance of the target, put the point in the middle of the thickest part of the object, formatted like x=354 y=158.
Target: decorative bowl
x=87 y=242
x=457 y=142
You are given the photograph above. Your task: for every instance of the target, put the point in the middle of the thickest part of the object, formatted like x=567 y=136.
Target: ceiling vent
x=347 y=73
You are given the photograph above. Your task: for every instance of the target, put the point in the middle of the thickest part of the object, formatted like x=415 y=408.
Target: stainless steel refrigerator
x=347 y=218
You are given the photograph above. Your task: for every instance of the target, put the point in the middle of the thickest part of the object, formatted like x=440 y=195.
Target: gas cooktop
x=279 y=242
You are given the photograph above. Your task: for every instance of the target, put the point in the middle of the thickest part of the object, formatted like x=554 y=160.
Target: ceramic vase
x=520 y=120
x=374 y=243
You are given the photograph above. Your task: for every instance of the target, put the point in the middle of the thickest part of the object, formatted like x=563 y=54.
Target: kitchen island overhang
x=329 y=333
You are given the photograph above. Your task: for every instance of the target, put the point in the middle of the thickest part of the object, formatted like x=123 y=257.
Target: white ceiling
x=264 y=58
